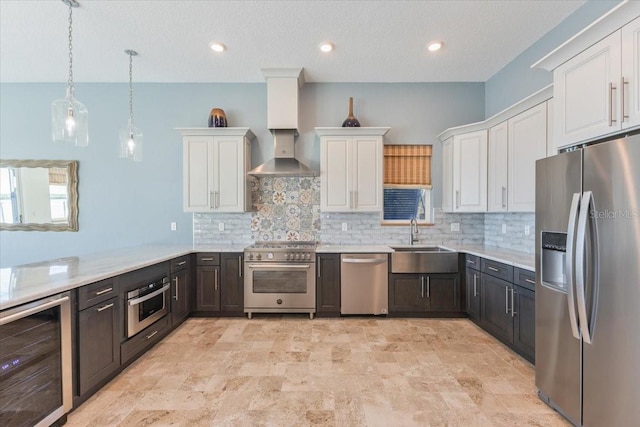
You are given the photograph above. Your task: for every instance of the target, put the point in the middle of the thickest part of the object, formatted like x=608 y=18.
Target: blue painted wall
x=517 y=80
x=128 y=204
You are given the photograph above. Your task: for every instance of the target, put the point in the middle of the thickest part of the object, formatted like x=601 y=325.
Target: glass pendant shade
x=131 y=143
x=69 y=121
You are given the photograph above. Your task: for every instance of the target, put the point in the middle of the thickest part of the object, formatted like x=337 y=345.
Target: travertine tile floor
x=291 y=371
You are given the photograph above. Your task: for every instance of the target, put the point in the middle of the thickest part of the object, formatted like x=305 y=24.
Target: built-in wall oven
x=280 y=278
x=35 y=362
x=146 y=304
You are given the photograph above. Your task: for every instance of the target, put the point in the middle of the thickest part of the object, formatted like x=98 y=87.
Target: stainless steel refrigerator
x=588 y=283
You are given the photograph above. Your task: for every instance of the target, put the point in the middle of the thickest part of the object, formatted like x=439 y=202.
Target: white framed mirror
x=39 y=195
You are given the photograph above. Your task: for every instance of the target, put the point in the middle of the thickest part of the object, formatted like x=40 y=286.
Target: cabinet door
x=328 y=283
x=208 y=288
x=583 y=93
x=630 y=92
x=229 y=176
x=197 y=157
x=231 y=283
x=448 y=192
x=495 y=307
x=335 y=191
x=527 y=143
x=524 y=322
x=367 y=174
x=442 y=293
x=497 y=169
x=473 y=288
x=470 y=172
x=180 y=296
x=407 y=293
x=98 y=343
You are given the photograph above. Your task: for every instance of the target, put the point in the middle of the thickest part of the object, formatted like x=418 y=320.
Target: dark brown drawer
x=472 y=261
x=497 y=269
x=180 y=263
x=97 y=292
x=144 y=340
x=525 y=278
x=208 y=258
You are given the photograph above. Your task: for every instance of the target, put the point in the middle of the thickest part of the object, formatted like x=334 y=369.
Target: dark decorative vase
x=217 y=118
x=351 y=121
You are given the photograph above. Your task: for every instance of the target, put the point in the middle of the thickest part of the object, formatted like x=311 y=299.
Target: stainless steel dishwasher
x=364 y=287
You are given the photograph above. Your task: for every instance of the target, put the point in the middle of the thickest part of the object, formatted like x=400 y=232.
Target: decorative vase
x=217 y=118
x=351 y=121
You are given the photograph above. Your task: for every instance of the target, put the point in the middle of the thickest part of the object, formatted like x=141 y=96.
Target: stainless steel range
x=280 y=277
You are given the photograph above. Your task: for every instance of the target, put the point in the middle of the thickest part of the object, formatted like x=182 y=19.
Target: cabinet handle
x=457 y=199
x=206 y=259
x=471 y=262
x=104 y=291
x=181 y=263
x=623 y=83
x=151 y=335
x=318 y=265
x=504 y=199
x=103 y=308
x=211 y=200
x=475 y=285
x=355 y=199
x=217 y=193
x=422 y=285
x=215 y=283
x=513 y=307
x=530 y=281
x=493 y=269
x=428 y=286
x=175 y=282
x=240 y=266
x=506 y=299
x=611 y=119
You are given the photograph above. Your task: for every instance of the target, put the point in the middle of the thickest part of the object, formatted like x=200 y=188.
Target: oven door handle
x=136 y=301
x=272 y=266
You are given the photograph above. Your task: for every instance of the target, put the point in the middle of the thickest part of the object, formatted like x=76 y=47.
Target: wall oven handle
x=149 y=296
x=33 y=310
x=271 y=266
x=364 y=260
x=569 y=264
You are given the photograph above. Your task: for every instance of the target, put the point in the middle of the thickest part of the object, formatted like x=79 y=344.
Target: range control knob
x=258 y=257
x=279 y=301
x=250 y=256
x=270 y=255
x=286 y=256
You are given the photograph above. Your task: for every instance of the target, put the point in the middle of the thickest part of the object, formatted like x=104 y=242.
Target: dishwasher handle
x=364 y=260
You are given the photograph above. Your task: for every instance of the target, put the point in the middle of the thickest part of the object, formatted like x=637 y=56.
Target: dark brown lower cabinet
x=231 y=283
x=524 y=322
x=496 y=307
x=208 y=288
x=98 y=343
x=328 y=285
x=424 y=293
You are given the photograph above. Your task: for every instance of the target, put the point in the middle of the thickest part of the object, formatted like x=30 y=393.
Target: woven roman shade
x=407 y=164
x=57 y=175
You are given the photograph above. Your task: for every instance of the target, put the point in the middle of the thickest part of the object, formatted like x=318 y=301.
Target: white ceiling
x=375 y=41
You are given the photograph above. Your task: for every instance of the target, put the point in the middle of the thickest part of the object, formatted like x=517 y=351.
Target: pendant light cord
x=131 y=88
x=70 y=81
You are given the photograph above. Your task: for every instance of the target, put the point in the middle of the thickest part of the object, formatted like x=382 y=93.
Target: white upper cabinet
x=585 y=93
x=465 y=173
x=497 y=169
x=527 y=143
x=215 y=165
x=351 y=171
x=630 y=82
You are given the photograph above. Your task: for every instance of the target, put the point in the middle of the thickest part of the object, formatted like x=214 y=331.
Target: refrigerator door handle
x=581 y=243
x=569 y=263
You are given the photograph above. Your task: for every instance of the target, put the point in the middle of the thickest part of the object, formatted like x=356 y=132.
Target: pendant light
x=69 y=117
x=131 y=136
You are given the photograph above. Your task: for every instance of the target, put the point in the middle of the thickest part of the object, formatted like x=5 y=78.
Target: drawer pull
x=471 y=262
x=104 y=291
x=206 y=259
x=151 y=335
x=530 y=281
x=104 y=307
x=181 y=263
x=493 y=269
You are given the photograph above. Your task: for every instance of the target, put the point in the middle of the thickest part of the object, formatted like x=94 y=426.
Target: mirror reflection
x=38 y=195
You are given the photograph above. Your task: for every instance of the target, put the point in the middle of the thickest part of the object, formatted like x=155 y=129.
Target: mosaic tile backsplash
x=285 y=208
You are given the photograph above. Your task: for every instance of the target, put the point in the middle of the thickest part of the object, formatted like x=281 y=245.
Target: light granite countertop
x=29 y=282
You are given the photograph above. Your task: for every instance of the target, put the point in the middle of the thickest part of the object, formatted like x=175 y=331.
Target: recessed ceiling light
x=217 y=47
x=326 y=47
x=434 y=46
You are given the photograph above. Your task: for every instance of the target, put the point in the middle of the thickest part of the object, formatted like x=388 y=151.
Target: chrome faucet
x=413 y=231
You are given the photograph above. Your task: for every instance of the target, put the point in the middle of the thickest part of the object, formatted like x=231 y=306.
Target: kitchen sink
x=423 y=259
